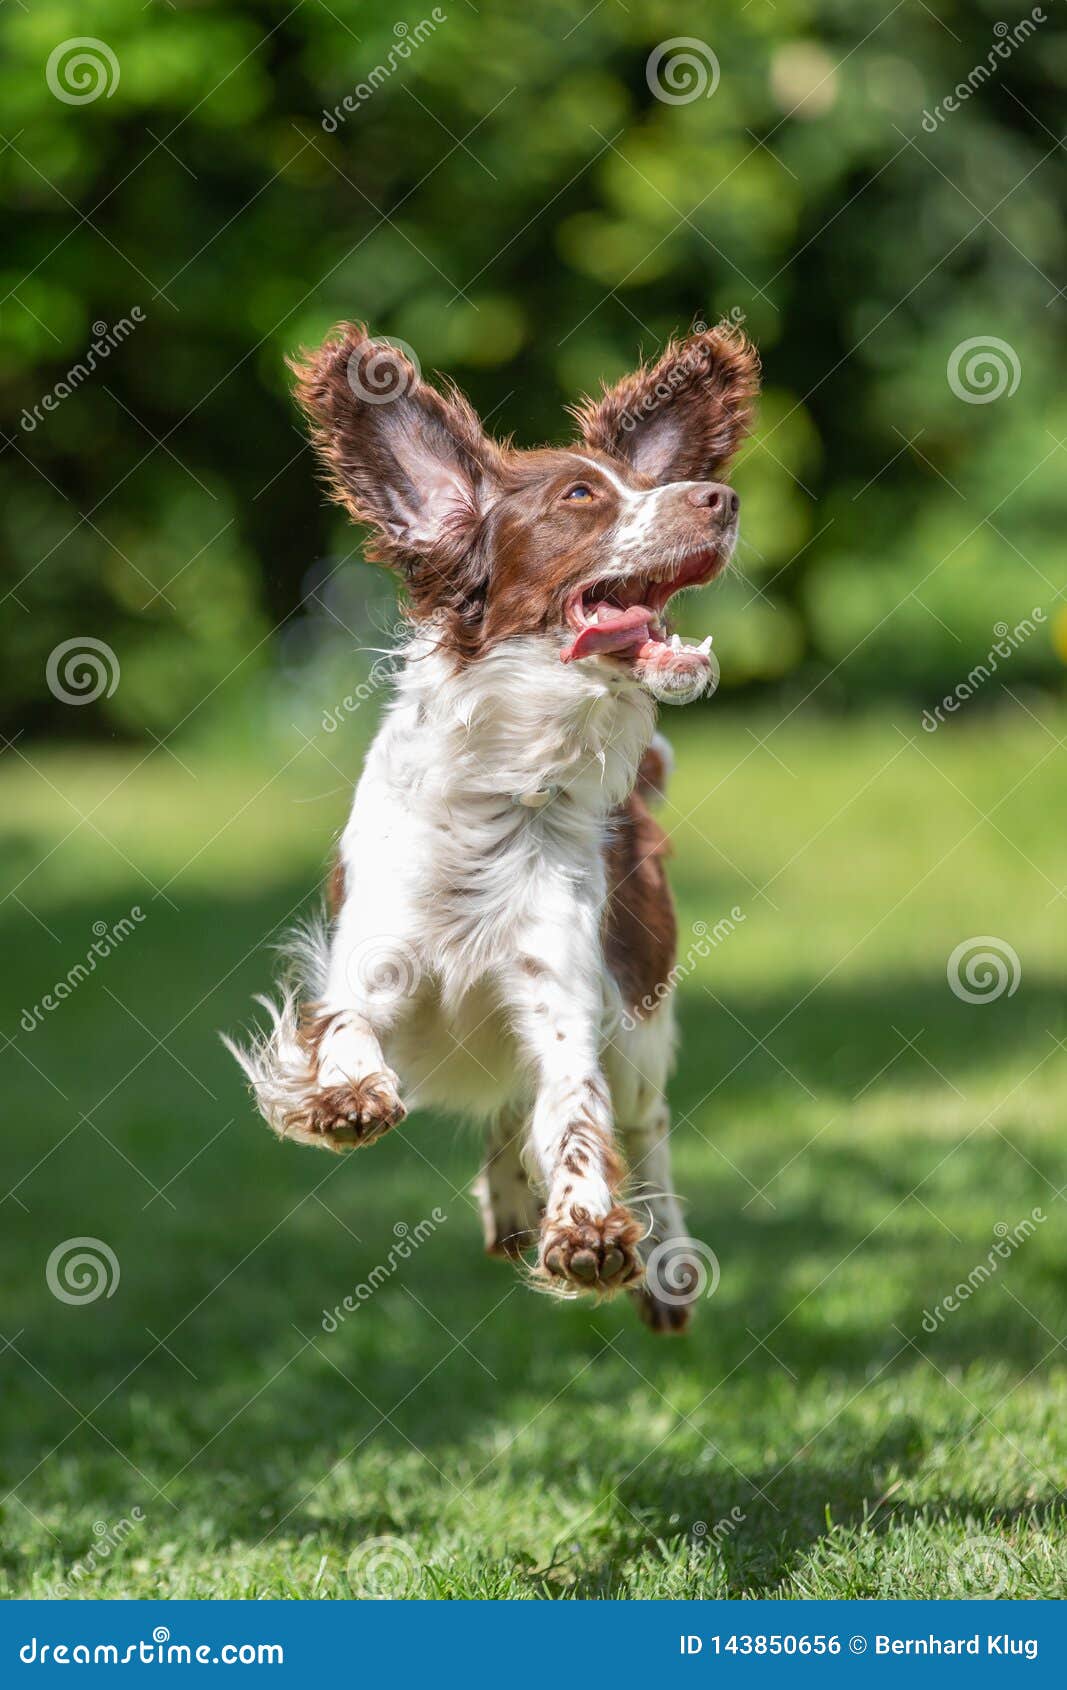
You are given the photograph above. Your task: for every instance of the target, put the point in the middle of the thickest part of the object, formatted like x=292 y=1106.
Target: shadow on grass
x=208 y=1371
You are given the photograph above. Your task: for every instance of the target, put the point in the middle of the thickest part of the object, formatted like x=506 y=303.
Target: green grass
x=850 y=1135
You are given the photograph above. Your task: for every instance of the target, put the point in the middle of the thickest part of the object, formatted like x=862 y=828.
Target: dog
x=500 y=914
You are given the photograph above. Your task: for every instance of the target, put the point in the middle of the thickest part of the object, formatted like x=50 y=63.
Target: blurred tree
x=529 y=197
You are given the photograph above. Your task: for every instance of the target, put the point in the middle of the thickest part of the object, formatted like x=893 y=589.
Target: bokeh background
x=514 y=202
x=531 y=196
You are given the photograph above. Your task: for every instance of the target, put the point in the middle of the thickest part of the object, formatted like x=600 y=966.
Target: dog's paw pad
x=591 y=1255
x=349 y=1116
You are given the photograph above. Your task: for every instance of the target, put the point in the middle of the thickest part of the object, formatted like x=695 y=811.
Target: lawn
x=852 y=1137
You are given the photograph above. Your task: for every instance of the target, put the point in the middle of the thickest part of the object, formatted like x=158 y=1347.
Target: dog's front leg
x=588 y=1238
x=372 y=972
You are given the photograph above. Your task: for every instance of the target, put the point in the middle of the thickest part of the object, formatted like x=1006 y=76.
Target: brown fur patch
x=584 y=1141
x=640 y=930
x=652 y=775
x=315 y=1023
x=335 y=887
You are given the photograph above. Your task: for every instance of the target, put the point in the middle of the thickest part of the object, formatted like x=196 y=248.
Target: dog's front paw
x=580 y=1253
x=350 y=1115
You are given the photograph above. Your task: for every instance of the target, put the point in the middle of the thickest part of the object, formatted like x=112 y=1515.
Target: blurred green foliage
x=514 y=201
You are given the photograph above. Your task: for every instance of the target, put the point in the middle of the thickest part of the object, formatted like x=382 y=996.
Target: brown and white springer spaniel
x=501 y=915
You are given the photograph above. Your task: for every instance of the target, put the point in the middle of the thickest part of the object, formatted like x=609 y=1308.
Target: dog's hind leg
x=665 y=1296
x=637 y=1063
x=511 y=1211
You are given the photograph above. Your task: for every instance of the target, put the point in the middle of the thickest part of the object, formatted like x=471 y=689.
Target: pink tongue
x=622 y=630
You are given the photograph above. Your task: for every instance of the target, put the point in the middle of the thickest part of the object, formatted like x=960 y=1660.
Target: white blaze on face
x=672 y=671
x=636 y=524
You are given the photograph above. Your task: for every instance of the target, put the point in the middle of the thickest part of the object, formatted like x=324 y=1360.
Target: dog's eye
x=579 y=492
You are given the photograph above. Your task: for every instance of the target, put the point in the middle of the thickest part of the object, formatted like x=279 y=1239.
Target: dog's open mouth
x=621 y=615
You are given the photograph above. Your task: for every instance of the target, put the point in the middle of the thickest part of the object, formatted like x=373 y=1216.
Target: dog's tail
x=277 y=1062
x=654 y=770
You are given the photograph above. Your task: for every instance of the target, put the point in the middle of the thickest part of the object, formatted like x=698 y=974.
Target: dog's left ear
x=683 y=417
x=412 y=463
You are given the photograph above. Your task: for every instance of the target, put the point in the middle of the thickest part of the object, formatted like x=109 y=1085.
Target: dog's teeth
x=705 y=646
x=676 y=644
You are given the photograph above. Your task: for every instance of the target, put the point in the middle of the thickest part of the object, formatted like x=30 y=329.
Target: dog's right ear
x=683 y=417
x=414 y=464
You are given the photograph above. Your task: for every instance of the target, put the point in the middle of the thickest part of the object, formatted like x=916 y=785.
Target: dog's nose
x=713 y=496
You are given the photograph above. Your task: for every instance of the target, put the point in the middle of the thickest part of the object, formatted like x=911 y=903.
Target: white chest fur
x=451 y=878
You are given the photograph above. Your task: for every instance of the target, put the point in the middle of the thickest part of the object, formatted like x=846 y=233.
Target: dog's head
x=584 y=544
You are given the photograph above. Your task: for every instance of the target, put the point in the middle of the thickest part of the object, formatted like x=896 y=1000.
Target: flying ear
x=413 y=463
x=683 y=417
